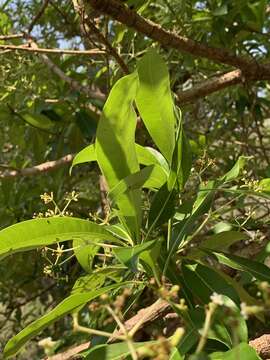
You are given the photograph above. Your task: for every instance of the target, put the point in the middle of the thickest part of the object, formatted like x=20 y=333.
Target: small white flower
x=244 y=310
x=217 y=299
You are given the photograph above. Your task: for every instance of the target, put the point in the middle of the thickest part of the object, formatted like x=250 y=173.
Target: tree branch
x=70 y=353
x=262 y=346
x=209 y=86
x=38 y=169
x=51 y=51
x=118 y=11
x=38 y=15
x=144 y=316
x=11 y=36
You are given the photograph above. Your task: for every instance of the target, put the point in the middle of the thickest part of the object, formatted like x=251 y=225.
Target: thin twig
x=38 y=15
x=11 y=36
x=79 y=328
x=86 y=90
x=51 y=51
x=88 y=28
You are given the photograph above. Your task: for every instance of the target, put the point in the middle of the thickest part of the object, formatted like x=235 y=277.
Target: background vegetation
x=51 y=99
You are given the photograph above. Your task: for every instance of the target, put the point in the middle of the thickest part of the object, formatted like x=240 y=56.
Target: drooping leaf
x=235 y=170
x=155 y=103
x=40 y=232
x=115 y=147
x=85 y=155
x=188 y=340
x=220 y=242
x=65 y=307
x=203 y=281
x=38 y=121
x=149 y=156
x=228 y=330
x=258 y=270
x=244 y=296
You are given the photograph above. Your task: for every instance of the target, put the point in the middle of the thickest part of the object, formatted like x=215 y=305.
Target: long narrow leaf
x=36 y=233
x=258 y=270
x=115 y=148
x=155 y=103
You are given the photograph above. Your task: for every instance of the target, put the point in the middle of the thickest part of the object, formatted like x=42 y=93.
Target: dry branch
x=210 y=86
x=262 y=346
x=11 y=36
x=144 y=316
x=69 y=354
x=38 y=169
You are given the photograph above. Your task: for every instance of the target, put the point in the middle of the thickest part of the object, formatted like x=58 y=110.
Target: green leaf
x=162 y=207
x=258 y=270
x=152 y=176
x=229 y=329
x=155 y=103
x=235 y=170
x=146 y=156
x=38 y=121
x=115 y=148
x=182 y=158
x=87 y=123
x=264 y=185
x=241 y=351
x=85 y=155
x=88 y=283
x=65 y=307
x=85 y=253
x=129 y=255
x=221 y=10
x=244 y=296
x=201 y=205
x=175 y=355
x=220 y=242
x=149 y=259
x=117 y=351
x=203 y=281
x=190 y=337
x=36 y=233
